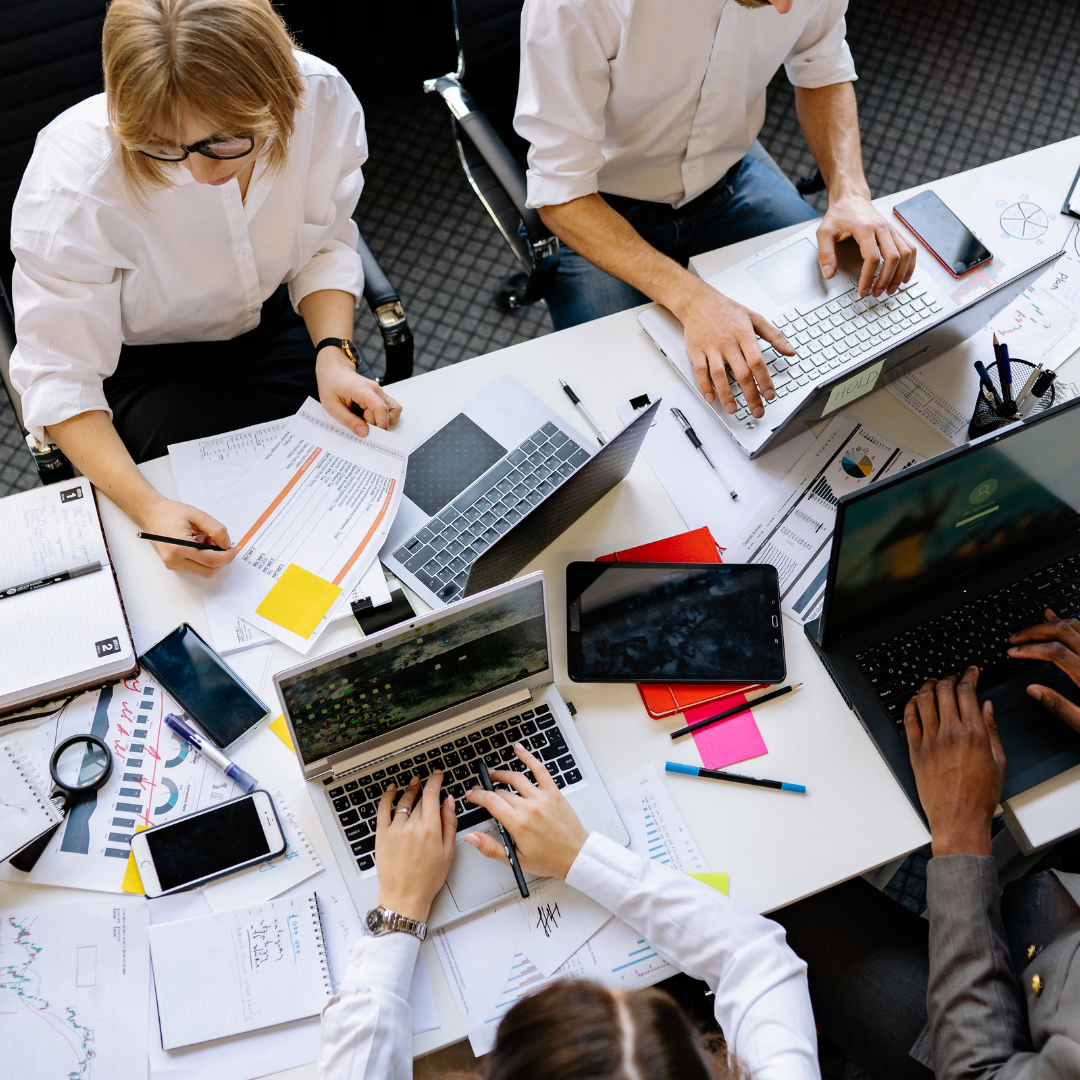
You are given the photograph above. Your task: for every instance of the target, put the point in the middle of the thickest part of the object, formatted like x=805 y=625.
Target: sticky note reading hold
x=714 y=881
x=298 y=600
x=850 y=389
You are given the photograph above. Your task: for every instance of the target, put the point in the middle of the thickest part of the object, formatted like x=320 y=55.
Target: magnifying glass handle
x=28 y=857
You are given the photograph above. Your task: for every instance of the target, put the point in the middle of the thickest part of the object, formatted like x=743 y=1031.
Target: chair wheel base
x=511 y=290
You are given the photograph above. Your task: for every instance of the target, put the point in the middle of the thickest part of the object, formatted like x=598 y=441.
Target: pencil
x=178 y=542
x=508 y=843
x=733 y=777
x=678 y=733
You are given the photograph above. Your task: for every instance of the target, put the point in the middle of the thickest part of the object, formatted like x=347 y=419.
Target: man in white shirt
x=640 y=114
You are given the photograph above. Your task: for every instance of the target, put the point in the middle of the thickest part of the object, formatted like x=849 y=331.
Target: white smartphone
x=199 y=847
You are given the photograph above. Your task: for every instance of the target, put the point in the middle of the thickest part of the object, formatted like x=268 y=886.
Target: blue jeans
x=748 y=201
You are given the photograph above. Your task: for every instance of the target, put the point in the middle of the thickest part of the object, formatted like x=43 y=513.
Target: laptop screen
x=417 y=673
x=966 y=513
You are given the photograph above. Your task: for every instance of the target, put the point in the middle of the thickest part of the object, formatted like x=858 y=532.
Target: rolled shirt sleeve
x=821 y=56
x=761 y=996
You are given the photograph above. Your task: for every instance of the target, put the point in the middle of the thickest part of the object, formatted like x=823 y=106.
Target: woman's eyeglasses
x=219 y=149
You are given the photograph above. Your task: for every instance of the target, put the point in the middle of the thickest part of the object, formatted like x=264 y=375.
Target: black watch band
x=344 y=344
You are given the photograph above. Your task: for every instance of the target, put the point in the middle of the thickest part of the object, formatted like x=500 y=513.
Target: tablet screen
x=674 y=623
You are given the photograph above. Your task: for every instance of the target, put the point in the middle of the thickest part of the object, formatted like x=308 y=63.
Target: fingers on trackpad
x=474 y=879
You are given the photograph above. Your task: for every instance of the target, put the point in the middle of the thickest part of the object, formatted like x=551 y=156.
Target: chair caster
x=511 y=289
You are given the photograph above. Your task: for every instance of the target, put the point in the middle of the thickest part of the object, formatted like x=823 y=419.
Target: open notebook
x=239 y=970
x=66 y=637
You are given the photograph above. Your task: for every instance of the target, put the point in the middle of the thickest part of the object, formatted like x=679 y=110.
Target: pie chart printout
x=857 y=465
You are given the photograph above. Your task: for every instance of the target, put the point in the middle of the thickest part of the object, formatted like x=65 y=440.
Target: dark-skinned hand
x=1056 y=640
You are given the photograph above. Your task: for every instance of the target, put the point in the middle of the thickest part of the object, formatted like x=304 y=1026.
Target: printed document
x=308 y=521
x=794 y=529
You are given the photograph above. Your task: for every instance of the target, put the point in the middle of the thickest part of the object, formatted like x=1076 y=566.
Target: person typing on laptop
x=640 y=118
x=759 y=985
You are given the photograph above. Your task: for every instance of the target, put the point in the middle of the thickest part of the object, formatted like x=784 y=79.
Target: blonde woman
x=182 y=243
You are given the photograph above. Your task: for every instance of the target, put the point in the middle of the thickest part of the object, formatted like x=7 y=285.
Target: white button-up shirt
x=657 y=99
x=761 y=998
x=95 y=269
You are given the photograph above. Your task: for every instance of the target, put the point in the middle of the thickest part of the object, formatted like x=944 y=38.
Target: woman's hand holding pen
x=341 y=388
x=167 y=517
x=547 y=833
x=414 y=846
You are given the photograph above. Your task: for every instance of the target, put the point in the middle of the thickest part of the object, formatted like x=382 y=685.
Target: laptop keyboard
x=835 y=333
x=356 y=798
x=977 y=633
x=442 y=551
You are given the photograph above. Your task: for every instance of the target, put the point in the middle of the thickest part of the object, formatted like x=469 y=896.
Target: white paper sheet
x=272 y=877
x=156 y=777
x=656 y=827
x=320 y=498
x=793 y=531
x=73 y=991
x=692 y=486
x=231 y=633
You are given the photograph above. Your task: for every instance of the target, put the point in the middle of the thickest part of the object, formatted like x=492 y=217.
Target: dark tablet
x=673 y=623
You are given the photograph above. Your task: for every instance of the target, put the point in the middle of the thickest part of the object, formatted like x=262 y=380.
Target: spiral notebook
x=237 y=971
x=25 y=808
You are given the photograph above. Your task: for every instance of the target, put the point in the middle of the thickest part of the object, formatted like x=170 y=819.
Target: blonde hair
x=229 y=62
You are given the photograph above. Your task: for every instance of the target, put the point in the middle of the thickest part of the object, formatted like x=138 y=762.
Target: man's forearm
x=93 y=446
x=829 y=118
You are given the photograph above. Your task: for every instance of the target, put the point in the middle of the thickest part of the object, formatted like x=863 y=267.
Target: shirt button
x=243 y=251
x=712 y=97
x=720 y=55
x=693 y=168
x=701 y=132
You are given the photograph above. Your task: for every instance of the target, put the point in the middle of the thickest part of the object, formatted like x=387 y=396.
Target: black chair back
x=489 y=33
x=50 y=59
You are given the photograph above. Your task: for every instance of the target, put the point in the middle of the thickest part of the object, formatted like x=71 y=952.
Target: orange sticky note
x=298 y=600
x=281 y=730
x=132 y=882
x=714 y=881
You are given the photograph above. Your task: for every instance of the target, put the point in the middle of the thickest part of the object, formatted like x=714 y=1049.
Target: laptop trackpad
x=1037 y=744
x=475 y=879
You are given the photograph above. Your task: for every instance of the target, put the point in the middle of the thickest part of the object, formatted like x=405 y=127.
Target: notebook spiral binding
x=33 y=781
x=324 y=959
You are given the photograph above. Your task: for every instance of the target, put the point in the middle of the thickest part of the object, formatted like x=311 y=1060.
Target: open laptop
x=488 y=491
x=934 y=568
x=845 y=345
x=441 y=691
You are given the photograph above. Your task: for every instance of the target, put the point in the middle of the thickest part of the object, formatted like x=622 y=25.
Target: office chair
x=494 y=156
x=51 y=55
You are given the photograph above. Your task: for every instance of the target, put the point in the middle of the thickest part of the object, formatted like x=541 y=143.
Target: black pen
x=178 y=542
x=568 y=390
x=508 y=843
x=695 y=440
x=678 y=733
x=1005 y=367
x=51 y=579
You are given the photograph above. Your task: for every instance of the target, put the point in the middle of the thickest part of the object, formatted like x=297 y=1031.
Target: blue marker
x=244 y=781
x=732 y=777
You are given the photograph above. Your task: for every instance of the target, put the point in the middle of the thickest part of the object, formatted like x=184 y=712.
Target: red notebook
x=663 y=700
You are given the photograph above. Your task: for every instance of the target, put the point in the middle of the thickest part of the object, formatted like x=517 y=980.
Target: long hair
x=227 y=62
x=578 y=1030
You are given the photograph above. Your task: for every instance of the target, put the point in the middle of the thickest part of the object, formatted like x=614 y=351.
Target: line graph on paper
x=73 y=985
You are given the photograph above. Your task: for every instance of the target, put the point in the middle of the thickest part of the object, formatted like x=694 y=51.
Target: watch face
x=376 y=920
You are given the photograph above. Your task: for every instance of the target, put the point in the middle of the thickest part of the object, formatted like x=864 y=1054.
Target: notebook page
x=25 y=809
x=240 y=970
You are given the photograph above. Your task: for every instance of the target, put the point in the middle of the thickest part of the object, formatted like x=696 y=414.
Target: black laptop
x=934 y=568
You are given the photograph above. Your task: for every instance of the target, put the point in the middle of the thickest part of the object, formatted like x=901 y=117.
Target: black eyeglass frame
x=201 y=148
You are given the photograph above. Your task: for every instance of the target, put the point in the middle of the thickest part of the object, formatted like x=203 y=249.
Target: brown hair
x=577 y=1030
x=229 y=62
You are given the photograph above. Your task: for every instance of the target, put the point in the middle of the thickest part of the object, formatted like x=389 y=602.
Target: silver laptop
x=439 y=692
x=846 y=346
x=492 y=487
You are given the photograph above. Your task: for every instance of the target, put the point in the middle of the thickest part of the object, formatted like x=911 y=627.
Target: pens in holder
x=601 y=437
x=1005 y=373
x=244 y=781
x=508 y=842
x=988 y=384
x=1025 y=390
x=733 y=778
x=695 y=441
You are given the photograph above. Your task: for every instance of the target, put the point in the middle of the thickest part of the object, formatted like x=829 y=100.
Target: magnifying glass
x=79 y=766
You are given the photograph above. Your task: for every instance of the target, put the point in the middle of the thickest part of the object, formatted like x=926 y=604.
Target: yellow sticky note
x=281 y=730
x=132 y=883
x=298 y=600
x=714 y=881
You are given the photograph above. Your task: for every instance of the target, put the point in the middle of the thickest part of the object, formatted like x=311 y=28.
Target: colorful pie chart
x=857 y=465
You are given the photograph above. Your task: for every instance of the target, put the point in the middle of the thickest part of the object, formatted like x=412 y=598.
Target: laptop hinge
x=356 y=762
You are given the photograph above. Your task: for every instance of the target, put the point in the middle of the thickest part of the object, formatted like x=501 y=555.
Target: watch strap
x=344 y=344
x=381 y=920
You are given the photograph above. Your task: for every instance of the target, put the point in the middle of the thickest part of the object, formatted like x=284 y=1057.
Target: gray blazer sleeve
x=978 y=1021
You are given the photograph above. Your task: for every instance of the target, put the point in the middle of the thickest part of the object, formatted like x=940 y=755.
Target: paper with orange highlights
x=308 y=524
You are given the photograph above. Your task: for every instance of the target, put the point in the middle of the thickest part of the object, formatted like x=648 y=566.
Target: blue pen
x=734 y=778
x=985 y=379
x=1005 y=367
x=244 y=781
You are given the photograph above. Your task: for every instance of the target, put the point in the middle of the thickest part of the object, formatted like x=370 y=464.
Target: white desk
x=776 y=849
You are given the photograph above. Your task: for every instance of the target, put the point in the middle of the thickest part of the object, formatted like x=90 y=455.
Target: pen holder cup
x=986 y=418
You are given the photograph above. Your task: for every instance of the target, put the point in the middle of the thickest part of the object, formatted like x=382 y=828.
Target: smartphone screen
x=203 y=685
x=206 y=844
x=952 y=243
x=674 y=623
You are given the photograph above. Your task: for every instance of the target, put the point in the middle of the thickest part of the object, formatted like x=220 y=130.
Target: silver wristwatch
x=381 y=921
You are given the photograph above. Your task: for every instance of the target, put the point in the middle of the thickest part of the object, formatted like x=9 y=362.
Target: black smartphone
x=674 y=623
x=950 y=241
x=203 y=685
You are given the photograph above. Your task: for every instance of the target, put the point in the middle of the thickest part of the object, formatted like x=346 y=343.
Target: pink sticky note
x=731 y=740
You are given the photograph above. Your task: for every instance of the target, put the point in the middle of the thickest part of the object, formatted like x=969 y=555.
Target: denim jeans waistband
x=662 y=211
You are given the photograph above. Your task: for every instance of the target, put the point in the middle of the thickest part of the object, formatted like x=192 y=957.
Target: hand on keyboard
x=546 y=832
x=880 y=244
x=720 y=334
x=1056 y=640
